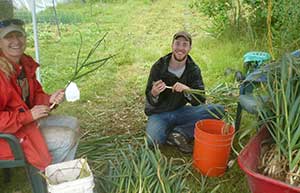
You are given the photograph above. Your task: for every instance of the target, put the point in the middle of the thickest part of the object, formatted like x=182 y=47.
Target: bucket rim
x=231 y=129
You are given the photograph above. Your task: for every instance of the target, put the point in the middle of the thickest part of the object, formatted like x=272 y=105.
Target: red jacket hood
x=26 y=61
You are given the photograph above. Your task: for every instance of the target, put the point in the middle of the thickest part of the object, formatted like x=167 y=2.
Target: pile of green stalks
x=224 y=94
x=126 y=164
x=100 y=149
x=145 y=170
x=281 y=116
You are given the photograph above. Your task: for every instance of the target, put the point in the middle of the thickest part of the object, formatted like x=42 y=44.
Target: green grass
x=112 y=99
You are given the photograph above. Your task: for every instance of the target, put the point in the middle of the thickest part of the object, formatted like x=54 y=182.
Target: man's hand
x=179 y=87
x=39 y=111
x=158 y=87
x=57 y=97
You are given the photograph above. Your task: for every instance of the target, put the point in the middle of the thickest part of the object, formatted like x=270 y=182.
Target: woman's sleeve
x=11 y=120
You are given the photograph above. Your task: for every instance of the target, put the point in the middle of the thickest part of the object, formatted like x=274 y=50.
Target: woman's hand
x=39 y=111
x=57 y=97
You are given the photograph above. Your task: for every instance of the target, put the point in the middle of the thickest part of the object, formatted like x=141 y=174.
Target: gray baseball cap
x=183 y=34
x=7 y=26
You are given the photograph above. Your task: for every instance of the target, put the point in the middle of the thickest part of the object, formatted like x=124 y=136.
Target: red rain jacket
x=16 y=118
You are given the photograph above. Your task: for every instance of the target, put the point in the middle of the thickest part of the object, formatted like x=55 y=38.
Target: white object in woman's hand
x=72 y=92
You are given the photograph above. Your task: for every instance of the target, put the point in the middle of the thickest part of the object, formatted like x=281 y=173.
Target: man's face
x=180 y=48
x=13 y=45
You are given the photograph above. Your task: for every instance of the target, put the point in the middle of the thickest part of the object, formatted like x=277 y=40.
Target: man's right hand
x=39 y=111
x=158 y=87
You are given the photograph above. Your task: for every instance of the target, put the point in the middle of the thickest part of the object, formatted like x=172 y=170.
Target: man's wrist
x=155 y=98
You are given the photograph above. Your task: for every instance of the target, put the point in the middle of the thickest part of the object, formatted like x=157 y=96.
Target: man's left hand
x=179 y=87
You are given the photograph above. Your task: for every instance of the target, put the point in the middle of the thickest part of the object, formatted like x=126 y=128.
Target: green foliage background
x=249 y=19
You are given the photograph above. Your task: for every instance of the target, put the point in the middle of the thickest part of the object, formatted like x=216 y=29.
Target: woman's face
x=13 y=45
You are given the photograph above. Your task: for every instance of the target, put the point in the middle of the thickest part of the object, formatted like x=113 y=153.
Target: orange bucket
x=211 y=147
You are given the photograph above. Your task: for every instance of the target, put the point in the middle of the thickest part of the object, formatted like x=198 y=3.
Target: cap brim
x=183 y=34
x=11 y=28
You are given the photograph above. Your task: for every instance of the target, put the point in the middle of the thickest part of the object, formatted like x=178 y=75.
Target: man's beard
x=179 y=60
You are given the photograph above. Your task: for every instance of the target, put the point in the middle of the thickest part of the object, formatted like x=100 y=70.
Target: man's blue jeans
x=181 y=120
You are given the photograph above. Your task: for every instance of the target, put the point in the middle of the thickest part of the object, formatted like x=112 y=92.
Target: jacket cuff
x=25 y=117
x=187 y=96
x=152 y=100
x=155 y=99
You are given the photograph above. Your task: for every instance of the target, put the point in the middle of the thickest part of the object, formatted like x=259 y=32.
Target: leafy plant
x=86 y=67
x=284 y=14
x=249 y=17
x=282 y=118
x=223 y=93
x=218 y=11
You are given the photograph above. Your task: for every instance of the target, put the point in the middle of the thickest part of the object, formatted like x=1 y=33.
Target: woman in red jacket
x=25 y=107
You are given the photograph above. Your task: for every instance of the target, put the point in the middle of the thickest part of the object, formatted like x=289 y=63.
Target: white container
x=65 y=177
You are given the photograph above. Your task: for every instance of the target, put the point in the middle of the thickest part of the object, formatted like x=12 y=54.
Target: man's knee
x=156 y=131
x=155 y=139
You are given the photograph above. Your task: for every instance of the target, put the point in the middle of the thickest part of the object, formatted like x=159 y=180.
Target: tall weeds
x=250 y=19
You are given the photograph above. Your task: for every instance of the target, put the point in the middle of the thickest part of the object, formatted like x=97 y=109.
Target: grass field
x=112 y=99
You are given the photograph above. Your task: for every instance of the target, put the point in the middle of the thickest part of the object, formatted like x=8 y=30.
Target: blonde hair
x=6 y=67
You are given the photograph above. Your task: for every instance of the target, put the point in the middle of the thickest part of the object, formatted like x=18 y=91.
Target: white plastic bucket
x=65 y=175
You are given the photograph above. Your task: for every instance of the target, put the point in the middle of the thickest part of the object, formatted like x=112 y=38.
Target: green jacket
x=168 y=100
